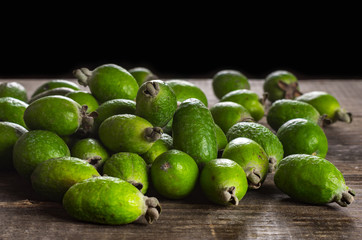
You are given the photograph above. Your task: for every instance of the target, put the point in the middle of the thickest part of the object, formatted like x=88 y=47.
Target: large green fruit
x=185 y=90
x=12 y=110
x=226 y=81
x=14 y=90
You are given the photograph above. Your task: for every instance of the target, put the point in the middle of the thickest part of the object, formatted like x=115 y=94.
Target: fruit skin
x=302 y=136
x=226 y=81
x=284 y=110
x=162 y=145
x=226 y=114
x=84 y=98
x=185 y=90
x=193 y=131
x=220 y=138
x=312 y=179
x=35 y=147
x=53 y=177
x=263 y=136
x=10 y=133
x=129 y=167
x=223 y=181
x=248 y=99
x=107 y=82
x=12 y=110
x=174 y=174
x=142 y=75
x=128 y=133
x=14 y=90
x=45 y=114
x=326 y=104
x=108 y=200
x=156 y=102
x=251 y=157
x=55 y=84
x=62 y=91
x=275 y=90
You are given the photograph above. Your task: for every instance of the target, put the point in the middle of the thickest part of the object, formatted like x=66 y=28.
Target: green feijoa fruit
x=168 y=128
x=14 y=90
x=107 y=82
x=58 y=114
x=12 y=110
x=226 y=114
x=10 y=133
x=251 y=157
x=84 y=98
x=327 y=105
x=220 y=138
x=223 y=181
x=128 y=133
x=302 y=136
x=111 y=108
x=185 y=90
x=226 y=81
x=35 y=147
x=156 y=102
x=129 y=167
x=109 y=200
x=142 y=74
x=263 y=136
x=62 y=91
x=248 y=99
x=281 y=84
x=312 y=179
x=91 y=150
x=55 y=84
x=162 y=145
x=174 y=174
x=53 y=177
x=193 y=131
x=284 y=110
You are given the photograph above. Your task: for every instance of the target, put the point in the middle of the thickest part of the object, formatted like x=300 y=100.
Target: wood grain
x=266 y=213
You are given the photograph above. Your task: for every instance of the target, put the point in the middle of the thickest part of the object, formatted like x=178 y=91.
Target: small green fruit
x=84 y=98
x=14 y=90
x=142 y=75
x=226 y=81
x=55 y=84
x=12 y=110
x=185 y=90
x=162 y=145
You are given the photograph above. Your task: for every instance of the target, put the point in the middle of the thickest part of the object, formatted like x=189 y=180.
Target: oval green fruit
x=128 y=133
x=107 y=82
x=35 y=147
x=174 y=174
x=58 y=83
x=14 y=90
x=156 y=102
x=223 y=181
x=109 y=200
x=193 y=131
x=302 y=136
x=220 y=138
x=162 y=145
x=12 y=110
x=226 y=81
x=251 y=157
x=84 y=98
x=142 y=74
x=185 y=90
x=53 y=177
x=129 y=167
x=313 y=180
x=10 y=133
x=284 y=110
x=62 y=91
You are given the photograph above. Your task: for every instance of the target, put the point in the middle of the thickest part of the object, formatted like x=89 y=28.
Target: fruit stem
x=153 y=209
x=324 y=121
x=152 y=89
x=272 y=164
x=82 y=74
x=228 y=195
x=346 y=198
x=343 y=116
x=254 y=179
x=138 y=185
x=291 y=90
x=87 y=120
x=152 y=134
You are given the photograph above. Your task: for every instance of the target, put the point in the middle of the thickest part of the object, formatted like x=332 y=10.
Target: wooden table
x=266 y=213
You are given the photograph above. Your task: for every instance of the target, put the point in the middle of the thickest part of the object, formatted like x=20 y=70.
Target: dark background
x=310 y=42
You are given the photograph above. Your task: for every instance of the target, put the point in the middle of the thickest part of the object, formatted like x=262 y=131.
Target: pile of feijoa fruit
x=98 y=151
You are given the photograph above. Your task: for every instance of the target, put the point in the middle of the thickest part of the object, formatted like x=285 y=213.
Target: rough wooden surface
x=266 y=213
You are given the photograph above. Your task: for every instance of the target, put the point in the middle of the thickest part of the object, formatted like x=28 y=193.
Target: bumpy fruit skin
x=193 y=131
x=185 y=90
x=262 y=135
x=14 y=90
x=12 y=110
x=141 y=74
x=55 y=84
x=10 y=133
x=35 y=147
x=53 y=177
x=90 y=149
x=174 y=174
x=284 y=110
x=220 y=138
x=84 y=98
x=156 y=106
x=129 y=167
x=54 y=113
x=271 y=87
x=302 y=136
x=105 y=200
x=310 y=179
x=162 y=145
x=226 y=81
x=248 y=99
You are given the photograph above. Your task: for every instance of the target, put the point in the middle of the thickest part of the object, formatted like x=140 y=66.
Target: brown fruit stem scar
x=324 y=121
x=343 y=116
x=138 y=185
x=228 y=195
x=291 y=90
x=152 y=134
x=94 y=160
x=272 y=164
x=87 y=120
x=346 y=198
x=152 y=89
x=82 y=74
x=153 y=209
x=254 y=179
